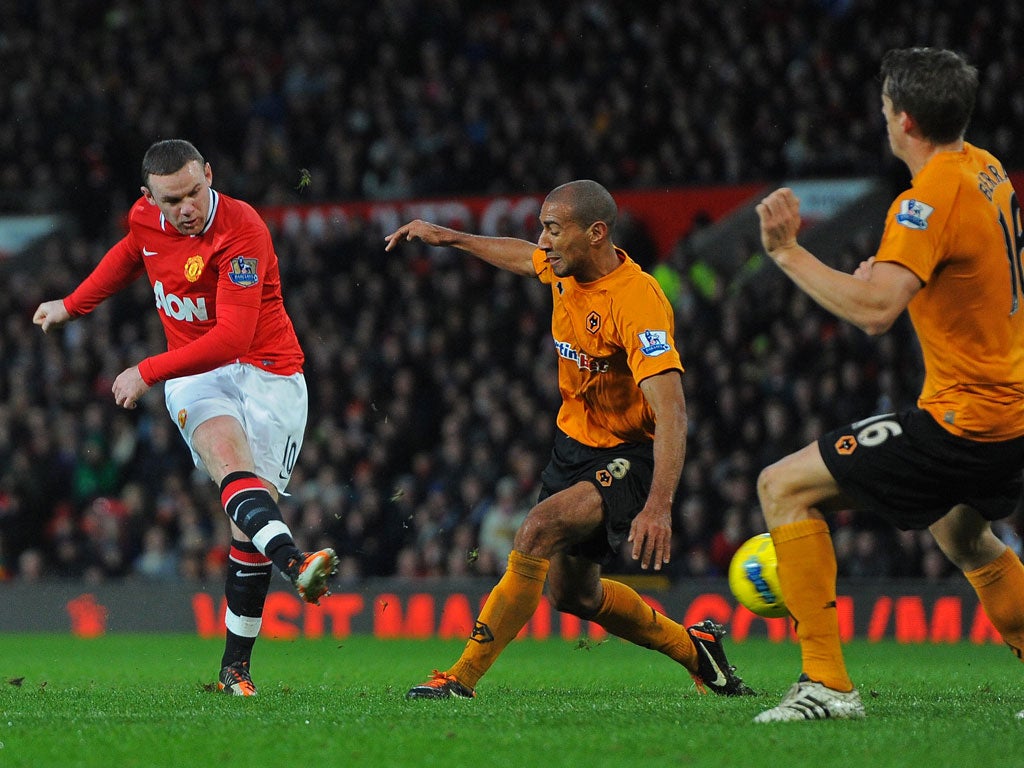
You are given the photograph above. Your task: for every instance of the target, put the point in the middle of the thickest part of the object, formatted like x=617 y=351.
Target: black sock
x=249 y=504
x=245 y=588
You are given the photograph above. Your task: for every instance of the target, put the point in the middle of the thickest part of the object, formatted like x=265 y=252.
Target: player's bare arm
x=51 y=314
x=508 y=253
x=871 y=299
x=863 y=271
x=128 y=387
x=651 y=531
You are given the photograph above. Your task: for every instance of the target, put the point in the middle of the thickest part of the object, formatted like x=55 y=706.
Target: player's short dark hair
x=935 y=87
x=589 y=202
x=169 y=156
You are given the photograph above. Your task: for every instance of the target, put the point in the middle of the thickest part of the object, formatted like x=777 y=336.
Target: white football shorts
x=271 y=409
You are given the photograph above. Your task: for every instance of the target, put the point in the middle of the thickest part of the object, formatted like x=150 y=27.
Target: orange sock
x=506 y=611
x=807 y=575
x=625 y=614
x=1000 y=588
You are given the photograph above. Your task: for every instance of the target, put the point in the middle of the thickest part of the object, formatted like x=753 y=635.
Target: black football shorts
x=622 y=475
x=910 y=471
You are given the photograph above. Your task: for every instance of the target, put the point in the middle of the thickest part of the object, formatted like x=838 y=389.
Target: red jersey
x=218 y=293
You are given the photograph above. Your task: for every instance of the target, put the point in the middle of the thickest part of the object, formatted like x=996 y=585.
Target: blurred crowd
x=412 y=98
x=433 y=392
x=432 y=380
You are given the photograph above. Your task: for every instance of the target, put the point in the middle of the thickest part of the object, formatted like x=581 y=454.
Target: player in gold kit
x=618 y=452
x=952 y=255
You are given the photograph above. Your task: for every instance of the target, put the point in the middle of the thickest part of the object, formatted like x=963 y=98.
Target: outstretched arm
x=509 y=253
x=118 y=268
x=871 y=298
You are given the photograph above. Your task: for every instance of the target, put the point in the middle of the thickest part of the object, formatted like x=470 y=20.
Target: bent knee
x=969 y=554
x=578 y=596
x=798 y=487
x=772 y=493
x=574 y=603
x=782 y=501
x=535 y=537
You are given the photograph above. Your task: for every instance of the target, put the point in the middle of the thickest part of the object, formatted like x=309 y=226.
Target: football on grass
x=754 y=577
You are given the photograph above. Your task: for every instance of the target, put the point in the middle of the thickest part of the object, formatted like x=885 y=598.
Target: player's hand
x=651 y=536
x=431 y=234
x=780 y=220
x=129 y=387
x=51 y=314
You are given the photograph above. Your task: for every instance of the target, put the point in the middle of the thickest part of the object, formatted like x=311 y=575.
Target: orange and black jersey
x=609 y=335
x=959 y=230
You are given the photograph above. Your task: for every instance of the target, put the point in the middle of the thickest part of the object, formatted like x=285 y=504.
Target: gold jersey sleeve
x=959 y=230
x=609 y=335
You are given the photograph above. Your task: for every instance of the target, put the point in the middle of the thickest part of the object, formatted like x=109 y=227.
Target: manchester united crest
x=194 y=268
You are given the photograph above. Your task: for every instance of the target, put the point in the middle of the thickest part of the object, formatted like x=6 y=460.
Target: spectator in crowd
x=501 y=519
x=32 y=565
x=157 y=560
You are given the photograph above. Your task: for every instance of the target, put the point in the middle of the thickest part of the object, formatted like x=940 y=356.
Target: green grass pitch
x=148 y=701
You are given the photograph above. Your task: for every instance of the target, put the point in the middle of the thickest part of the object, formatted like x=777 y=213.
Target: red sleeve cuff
x=147 y=373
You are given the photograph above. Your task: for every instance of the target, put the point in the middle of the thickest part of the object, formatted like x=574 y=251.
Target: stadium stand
x=431 y=380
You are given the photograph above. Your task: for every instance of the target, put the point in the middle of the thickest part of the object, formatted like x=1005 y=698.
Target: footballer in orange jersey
x=609 y=334
x=618 y=451
x=951 y=254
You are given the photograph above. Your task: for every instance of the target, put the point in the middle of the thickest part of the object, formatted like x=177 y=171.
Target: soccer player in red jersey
x=232 y=370
x=951 y=255
x=618 y=451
